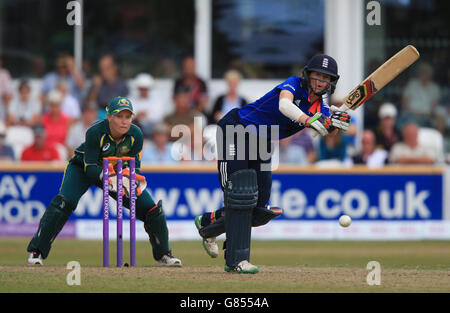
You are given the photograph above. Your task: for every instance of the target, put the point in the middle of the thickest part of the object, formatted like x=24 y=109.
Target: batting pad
x=240 y=198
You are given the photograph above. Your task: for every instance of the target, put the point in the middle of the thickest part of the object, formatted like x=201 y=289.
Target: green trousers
x=75 y=183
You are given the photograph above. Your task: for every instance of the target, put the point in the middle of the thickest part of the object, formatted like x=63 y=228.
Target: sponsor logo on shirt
x=287 y=85
x=106 y=147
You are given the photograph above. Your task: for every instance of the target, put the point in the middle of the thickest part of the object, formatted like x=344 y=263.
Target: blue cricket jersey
x=265 y=111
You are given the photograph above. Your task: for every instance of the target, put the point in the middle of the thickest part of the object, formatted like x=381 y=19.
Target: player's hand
x=320 y=123
x=112 y=178
x=341 y=120
x=140 y=181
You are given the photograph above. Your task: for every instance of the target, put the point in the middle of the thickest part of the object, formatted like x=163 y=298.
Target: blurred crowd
x=50 y=123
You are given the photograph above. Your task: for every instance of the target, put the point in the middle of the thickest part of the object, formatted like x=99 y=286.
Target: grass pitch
x=285 y=267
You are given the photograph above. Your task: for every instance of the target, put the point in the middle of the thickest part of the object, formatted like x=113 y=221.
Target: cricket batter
x=244 y=176
x=113 y=136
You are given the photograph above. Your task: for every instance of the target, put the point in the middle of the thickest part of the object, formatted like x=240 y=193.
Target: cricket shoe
x=209 y=244
x=34 y=259
x=169 y=260
x=244 y=267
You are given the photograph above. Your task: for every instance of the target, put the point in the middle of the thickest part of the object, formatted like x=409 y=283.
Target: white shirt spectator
x=71 y=107
x=5 y=83
x=24 y=111
x=421 y=98
x=400 y=149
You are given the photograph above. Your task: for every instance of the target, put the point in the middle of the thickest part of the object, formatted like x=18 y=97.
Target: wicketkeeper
x=245 y=176
x=113 y=136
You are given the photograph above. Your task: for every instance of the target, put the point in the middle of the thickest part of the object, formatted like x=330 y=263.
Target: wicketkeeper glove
x=320 y=123
x=112 y=178
x=341 y=120
x=140 y=181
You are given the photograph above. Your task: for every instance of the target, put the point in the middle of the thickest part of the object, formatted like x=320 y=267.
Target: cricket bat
x=380 y=77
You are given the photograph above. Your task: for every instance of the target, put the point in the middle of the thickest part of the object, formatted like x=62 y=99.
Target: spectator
x=6 y=151
x=160 y=149
x=352 y=131
x=5 y=91
x=420 y=98
x=370 y=155
x=69 y=105
x=55 y=122
x=230 y=100
x=77 y=132
x=409 y=151
x=333 y=147
x=41 y=149
x=196 y=86
x=166 y=68
x=289 y=153
x=183 y=114
x=304 y=140
x=23 y=110
x=386 y=133
x=148 y=107
x=65 y=72
x=107 y=85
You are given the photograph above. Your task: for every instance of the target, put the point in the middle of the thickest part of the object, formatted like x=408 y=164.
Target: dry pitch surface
x=285 y=267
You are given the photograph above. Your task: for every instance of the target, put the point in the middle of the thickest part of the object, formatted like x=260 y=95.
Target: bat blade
x=381 y=77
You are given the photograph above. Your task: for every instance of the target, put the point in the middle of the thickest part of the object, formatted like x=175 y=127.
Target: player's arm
x=318 y=121
x=91 y=156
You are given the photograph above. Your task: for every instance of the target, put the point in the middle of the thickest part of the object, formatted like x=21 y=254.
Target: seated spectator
x=289 y=153
x=69 y=105
x=107 y=85
x=67 y=72
x=183 y=114
x=159 y=150
x=230 y=100
x=5 y=91
x=77 y=132
x=190 y=148
x=197 y=88
x=420 y=98
x=409 y=151
x=333 y=147
x=369 y=155
x=350 y=135
x=23 y=110
x=6 y=151
x=386 y=133
x=55 y=122
x=304 y=140
x=148 y=107
x=41 y=149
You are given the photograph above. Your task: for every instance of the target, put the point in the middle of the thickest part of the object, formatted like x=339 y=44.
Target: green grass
x=285 y=266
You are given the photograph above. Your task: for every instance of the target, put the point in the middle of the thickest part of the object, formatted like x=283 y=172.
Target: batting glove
x=320 y=123
x=341 y=120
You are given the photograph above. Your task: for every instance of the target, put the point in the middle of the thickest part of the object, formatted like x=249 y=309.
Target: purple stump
x=119 y=214
x=132 y=212
x=105 y=213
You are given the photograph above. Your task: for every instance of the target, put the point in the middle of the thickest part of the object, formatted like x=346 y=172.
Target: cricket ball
x=345 y=221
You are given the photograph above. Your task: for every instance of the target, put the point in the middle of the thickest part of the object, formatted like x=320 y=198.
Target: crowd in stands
x=50 y=123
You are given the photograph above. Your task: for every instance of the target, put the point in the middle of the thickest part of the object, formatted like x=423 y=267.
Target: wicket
x=119 y=210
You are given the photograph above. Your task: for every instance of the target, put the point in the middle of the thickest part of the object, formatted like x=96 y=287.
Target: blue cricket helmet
x=325 y=64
